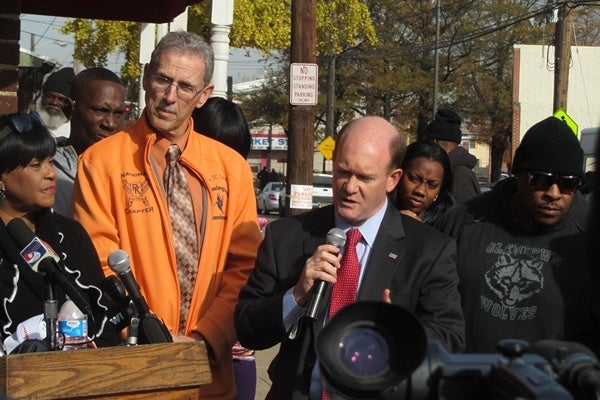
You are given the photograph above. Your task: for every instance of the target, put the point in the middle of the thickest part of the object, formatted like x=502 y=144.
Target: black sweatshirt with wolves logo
x=522 y=282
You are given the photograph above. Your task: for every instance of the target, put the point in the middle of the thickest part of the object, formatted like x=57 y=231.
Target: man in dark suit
x=402 y=261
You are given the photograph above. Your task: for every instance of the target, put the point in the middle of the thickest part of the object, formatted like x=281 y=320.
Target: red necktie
x=345 y=289
x=184 y=229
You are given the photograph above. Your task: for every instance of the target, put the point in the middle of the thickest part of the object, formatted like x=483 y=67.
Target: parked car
x=322 y=193
x=487 y=186
x=267 y=199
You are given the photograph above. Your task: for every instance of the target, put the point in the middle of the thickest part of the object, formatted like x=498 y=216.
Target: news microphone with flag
x=42 y=258
x=336 y=237
x=120 y=264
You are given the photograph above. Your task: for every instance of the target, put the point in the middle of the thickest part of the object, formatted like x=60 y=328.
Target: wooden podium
x=151 y=371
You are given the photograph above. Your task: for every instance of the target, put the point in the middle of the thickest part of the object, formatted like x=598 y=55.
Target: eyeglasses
x=544 y=180
x=21 y=123
x=184 y=91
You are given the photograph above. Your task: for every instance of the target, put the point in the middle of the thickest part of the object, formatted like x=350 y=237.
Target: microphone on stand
x=42 y=258
x=336 y=237
x=151 y=328
x=120 y=264
x=121 y=308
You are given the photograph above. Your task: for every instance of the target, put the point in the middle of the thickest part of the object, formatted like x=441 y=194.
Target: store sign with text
x=261 y=142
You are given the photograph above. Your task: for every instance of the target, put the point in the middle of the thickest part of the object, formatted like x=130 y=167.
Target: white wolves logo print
x=514 y=279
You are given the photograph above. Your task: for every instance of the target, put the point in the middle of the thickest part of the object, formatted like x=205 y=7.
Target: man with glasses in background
x=521 y=248
x=180 y=204
x=56 y=104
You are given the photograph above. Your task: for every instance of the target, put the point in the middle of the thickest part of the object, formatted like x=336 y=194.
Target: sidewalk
x=263 y=359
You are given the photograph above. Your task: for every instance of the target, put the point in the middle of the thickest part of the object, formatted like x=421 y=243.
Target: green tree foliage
x=483 y=91
x=266 y=25
x=96 y=39
x=261 y=24
x=384 y=52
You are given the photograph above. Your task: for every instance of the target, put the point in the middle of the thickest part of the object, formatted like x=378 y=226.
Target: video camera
x=379 y=351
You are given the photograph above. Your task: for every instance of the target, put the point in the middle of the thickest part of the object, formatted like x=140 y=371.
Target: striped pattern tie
x=183 y=225
x=345 y=288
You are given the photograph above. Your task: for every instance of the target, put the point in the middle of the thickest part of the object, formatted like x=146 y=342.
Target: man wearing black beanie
x=445 y=131
x=56 y=104
x=522 y=257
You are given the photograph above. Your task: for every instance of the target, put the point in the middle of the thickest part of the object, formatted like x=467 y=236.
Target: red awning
x=156 y=11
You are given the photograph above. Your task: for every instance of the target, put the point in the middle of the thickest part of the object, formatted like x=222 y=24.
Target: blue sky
x=49 y=42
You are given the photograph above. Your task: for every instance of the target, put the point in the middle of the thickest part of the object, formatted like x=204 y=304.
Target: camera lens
x=364 y=352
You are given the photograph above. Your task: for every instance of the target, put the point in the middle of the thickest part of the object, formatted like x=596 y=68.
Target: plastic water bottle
x=72 y=326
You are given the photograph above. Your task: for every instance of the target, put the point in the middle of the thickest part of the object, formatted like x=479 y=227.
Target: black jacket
x=464 y=181
x=412 y=259
x=522 y=282
x=24 y=291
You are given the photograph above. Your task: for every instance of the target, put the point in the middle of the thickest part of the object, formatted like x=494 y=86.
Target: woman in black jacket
x=27 y=191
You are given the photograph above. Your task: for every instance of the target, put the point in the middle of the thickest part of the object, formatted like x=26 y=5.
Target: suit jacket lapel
x=386 y=256
x=318 y=226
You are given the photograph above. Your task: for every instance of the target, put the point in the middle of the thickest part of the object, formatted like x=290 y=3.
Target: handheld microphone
x=119 y=263
x=42 y=258
x=336 y=237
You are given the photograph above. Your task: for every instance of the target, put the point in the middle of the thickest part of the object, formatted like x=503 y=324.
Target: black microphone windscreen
x=113 y=287
x=20 y=232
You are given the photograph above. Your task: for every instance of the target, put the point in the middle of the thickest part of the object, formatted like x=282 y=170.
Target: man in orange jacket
x=120 y=199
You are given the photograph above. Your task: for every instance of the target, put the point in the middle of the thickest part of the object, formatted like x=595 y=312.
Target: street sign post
x=563 y=116
x=326 y=147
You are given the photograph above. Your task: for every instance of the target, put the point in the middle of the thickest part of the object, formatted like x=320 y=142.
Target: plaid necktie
x=184 y=229
x=345 y=289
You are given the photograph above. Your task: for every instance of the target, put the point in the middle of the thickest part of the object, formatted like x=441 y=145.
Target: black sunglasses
x=21 y=123
x=544 y=180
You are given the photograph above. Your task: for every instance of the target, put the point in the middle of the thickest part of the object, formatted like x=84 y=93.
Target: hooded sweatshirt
x=521 y=282
x=464 y=184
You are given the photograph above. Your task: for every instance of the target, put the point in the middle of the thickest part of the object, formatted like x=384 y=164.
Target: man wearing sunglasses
x=521 y=248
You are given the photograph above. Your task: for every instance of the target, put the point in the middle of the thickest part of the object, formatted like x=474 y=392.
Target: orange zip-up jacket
x=119 y=200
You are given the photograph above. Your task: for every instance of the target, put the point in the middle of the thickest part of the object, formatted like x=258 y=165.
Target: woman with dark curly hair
x=424 y=188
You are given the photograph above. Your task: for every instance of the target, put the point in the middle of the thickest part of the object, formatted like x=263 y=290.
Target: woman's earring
x=435 y=199
x=2 y=194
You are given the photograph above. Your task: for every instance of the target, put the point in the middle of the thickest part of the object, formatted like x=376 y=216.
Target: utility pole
x=330 y=105
x=562 y=55
x=301 y=118
x=436 y=65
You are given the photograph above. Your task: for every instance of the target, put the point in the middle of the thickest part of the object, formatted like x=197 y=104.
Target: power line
x=429 y=46
x=48 y=37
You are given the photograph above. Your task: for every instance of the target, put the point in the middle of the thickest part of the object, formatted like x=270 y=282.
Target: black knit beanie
x=60 y=81
x=445 y=126
x=549 y=146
